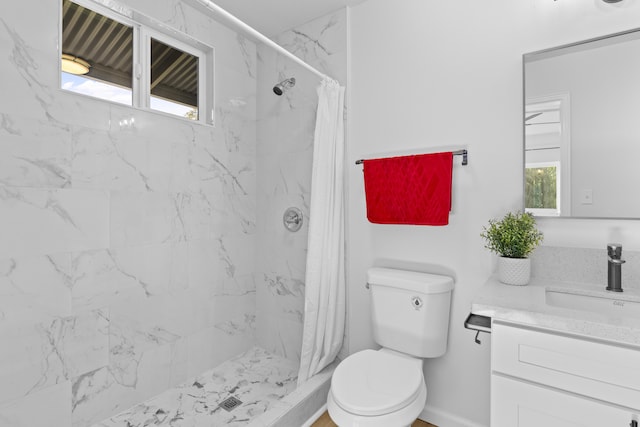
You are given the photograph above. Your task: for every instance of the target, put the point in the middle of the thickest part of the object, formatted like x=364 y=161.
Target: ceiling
x=271 y=17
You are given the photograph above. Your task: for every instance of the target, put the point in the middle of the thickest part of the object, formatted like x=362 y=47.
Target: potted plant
x=514 y=237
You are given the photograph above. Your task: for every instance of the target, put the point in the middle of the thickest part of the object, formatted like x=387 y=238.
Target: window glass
x=97 y=54
x=100 y=51
x=174 y=80
x=542 y=188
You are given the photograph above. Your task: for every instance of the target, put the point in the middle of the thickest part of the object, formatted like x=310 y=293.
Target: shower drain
x=230 y=404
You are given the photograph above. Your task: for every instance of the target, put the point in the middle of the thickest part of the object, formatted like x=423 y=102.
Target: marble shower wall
x=285 y=151
x=127 y=251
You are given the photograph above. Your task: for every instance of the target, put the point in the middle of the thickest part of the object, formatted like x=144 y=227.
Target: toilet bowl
x=410 y=320
x=380 y=388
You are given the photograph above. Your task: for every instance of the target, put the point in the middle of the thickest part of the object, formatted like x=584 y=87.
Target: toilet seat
x=371 y=383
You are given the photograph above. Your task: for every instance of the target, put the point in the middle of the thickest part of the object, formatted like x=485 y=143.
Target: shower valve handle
x=292 y=219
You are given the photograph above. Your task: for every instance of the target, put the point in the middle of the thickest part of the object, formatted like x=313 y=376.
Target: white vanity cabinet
x=547 y=379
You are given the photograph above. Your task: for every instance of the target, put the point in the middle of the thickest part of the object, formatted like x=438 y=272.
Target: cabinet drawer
x=518 y=404
x=603 y=371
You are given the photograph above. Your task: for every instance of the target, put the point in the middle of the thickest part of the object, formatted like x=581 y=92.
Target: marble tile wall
x=286 y=127
x=127 y=252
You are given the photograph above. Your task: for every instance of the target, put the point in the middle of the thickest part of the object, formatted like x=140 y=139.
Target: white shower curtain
x=325 y=307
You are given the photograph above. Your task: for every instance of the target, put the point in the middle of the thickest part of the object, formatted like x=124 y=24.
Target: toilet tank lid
x=416 y=281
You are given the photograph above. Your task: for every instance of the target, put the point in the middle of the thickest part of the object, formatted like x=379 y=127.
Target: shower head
x=284 y=85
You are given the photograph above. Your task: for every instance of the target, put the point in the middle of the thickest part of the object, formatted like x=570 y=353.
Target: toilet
x=410 y=319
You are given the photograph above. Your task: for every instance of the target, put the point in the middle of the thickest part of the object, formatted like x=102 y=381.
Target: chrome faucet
x=614 y=271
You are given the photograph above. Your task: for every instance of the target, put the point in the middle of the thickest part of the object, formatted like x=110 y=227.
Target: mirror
x=582 y=129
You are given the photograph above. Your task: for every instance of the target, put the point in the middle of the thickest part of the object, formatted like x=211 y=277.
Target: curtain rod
x=217 y=10
x=463 y=153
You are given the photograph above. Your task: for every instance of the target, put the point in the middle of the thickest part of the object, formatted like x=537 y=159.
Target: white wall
x=427 y=75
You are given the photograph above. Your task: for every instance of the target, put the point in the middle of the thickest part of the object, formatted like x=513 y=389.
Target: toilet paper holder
x=478 y=323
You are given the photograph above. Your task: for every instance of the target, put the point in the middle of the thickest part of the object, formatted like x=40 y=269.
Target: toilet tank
x=410 y=310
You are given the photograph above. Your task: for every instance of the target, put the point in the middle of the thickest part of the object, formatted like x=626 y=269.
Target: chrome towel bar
x=463 y=153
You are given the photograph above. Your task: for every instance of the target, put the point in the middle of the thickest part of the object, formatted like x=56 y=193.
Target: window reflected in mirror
x=547 y=148
x=542 y=188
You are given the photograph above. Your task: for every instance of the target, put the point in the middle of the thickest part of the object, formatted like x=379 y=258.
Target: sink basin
x=595 y=301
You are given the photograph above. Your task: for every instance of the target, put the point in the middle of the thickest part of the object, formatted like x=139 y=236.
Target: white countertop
x=526 y=305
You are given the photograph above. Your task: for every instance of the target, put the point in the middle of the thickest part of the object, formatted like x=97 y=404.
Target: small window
x=100 y=52
x=542 y=188
x=174 y=81
x=97 y=55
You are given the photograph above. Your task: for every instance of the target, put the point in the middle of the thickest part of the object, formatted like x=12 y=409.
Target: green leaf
x=514 y=236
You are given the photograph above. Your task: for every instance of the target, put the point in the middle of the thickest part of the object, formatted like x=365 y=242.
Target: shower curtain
x=325 y=306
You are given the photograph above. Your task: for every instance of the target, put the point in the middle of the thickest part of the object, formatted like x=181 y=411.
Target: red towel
x=409 y=189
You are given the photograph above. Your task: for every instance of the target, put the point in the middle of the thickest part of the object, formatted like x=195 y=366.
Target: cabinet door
x=606 y=372
x=519 y=404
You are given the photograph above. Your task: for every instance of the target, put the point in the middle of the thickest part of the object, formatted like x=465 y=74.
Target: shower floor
x=257 y=378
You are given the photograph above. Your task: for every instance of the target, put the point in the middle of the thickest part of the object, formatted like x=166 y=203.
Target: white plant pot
x=514 y=271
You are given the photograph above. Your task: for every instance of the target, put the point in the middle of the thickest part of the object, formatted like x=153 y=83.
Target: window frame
x=144 y=28
x=146 y=34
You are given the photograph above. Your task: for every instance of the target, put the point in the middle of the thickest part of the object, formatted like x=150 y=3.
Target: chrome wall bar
x=463 y=153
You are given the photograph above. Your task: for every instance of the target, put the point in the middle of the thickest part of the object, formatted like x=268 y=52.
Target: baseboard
x=431 y=415
x=442 y=418
x=313 y=418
